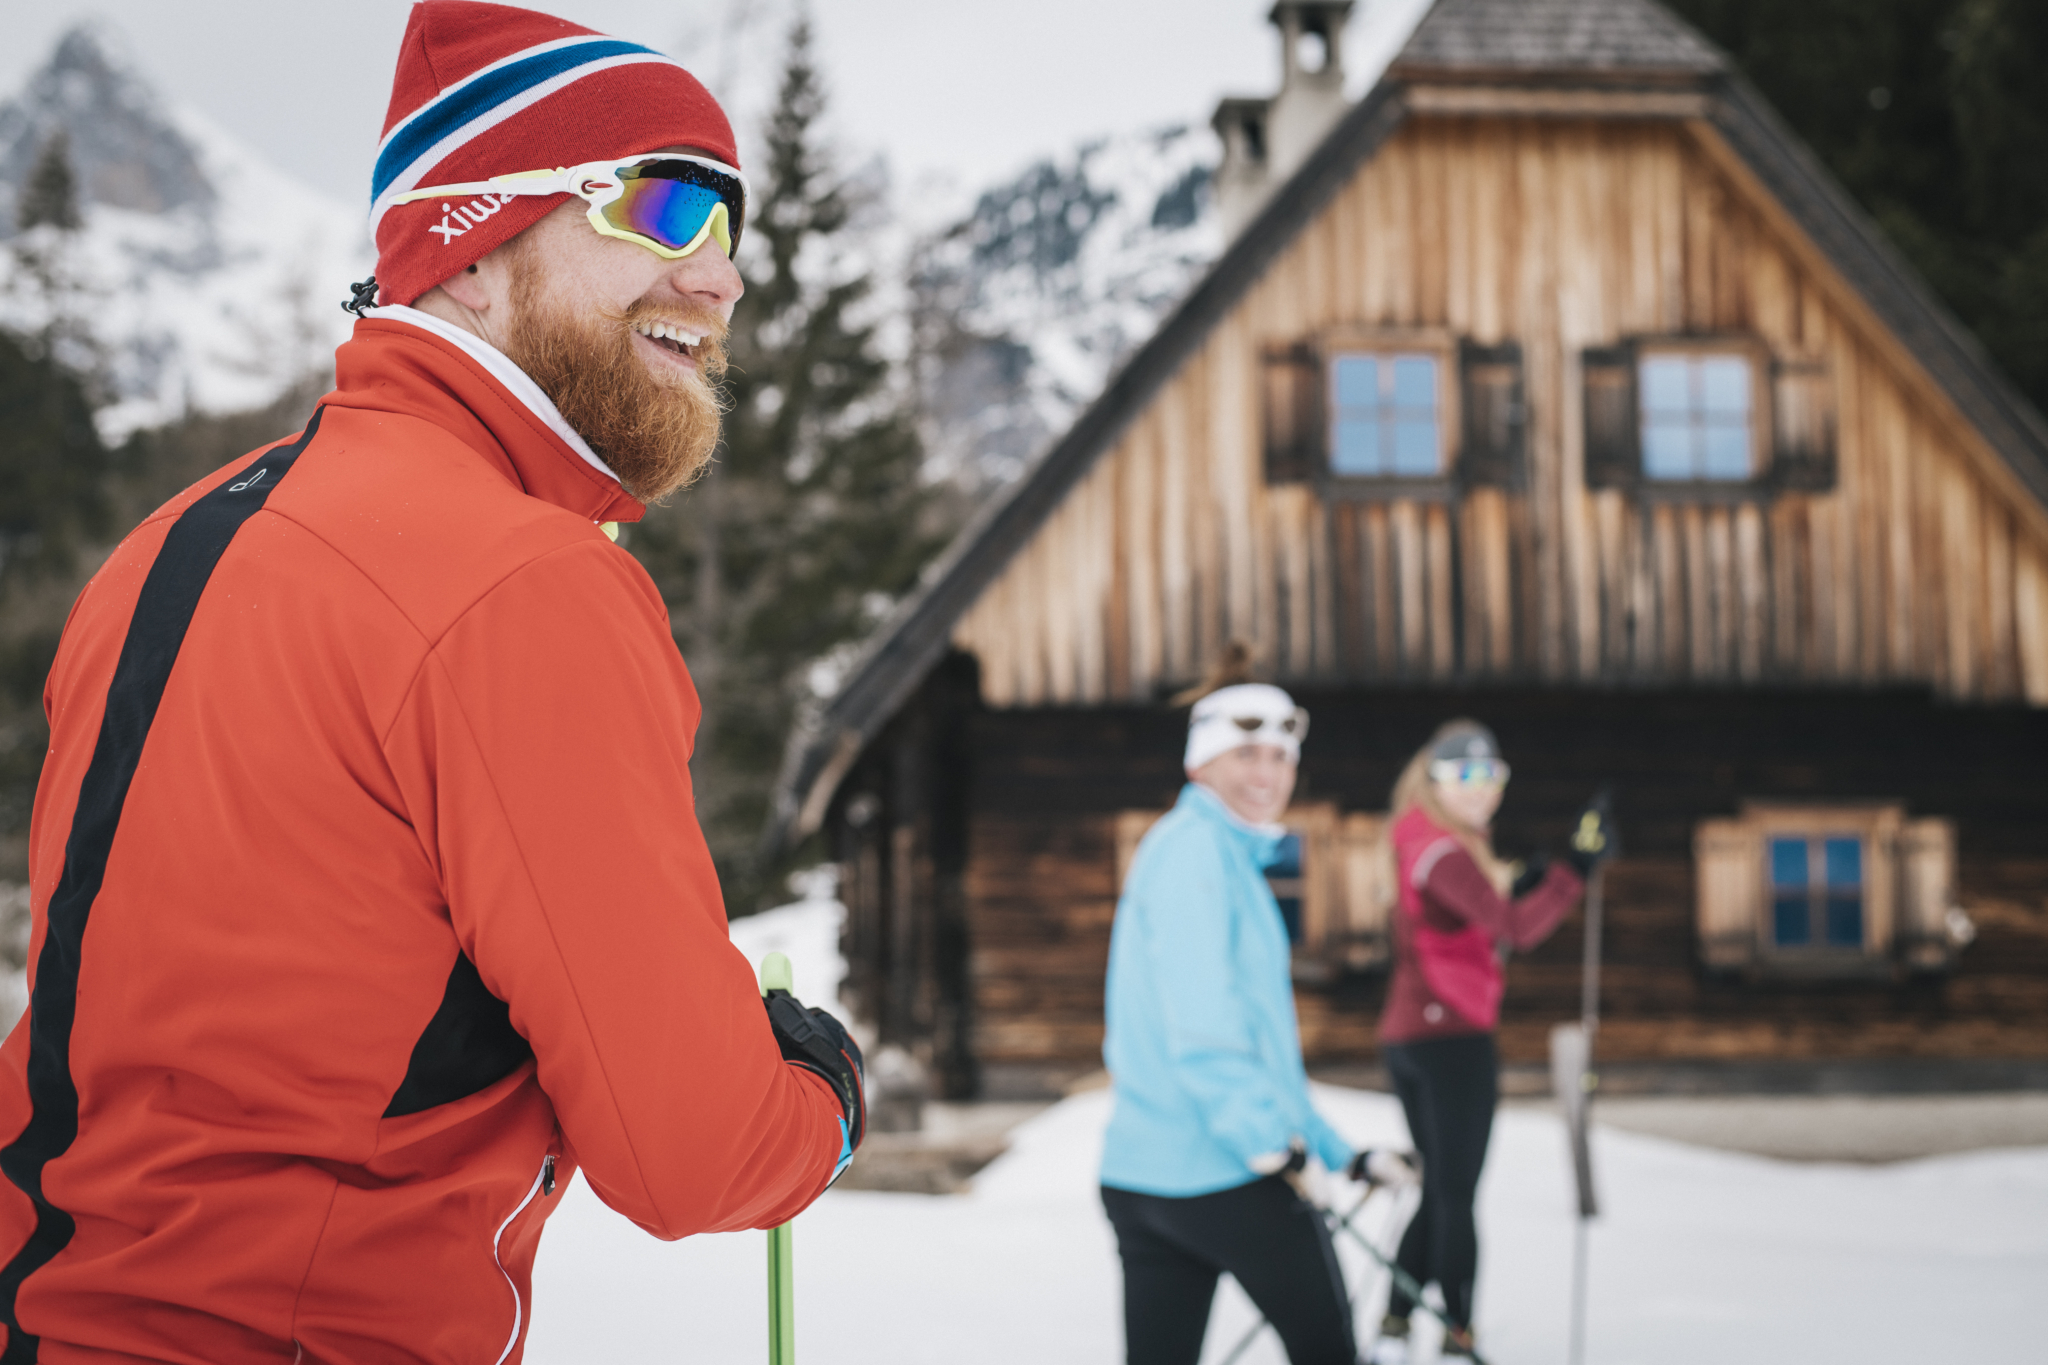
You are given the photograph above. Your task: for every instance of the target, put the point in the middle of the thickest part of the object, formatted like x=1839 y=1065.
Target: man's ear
x=469 y=289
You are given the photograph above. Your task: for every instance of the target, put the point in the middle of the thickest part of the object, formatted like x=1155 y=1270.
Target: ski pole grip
x=776 y=974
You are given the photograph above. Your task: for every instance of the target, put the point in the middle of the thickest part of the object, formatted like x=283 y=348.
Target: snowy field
x=1703 y=1256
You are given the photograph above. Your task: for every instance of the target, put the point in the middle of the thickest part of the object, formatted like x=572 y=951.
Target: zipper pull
x=547 y=1176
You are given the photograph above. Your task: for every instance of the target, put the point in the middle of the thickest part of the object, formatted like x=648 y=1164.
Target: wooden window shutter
x=1494 y=417
x=1322 y=872
x=1613 y=437
x=1728 y=871
x=1369 y=891
x=1927 y=887
x=1803 y=422
x=1291 y=380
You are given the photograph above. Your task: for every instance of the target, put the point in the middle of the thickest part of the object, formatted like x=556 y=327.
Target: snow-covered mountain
x=204 y=277
x=1024 y=305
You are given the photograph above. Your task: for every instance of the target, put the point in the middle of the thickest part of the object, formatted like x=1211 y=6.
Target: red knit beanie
x=485 y=90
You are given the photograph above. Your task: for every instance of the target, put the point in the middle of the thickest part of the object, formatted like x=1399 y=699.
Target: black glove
x=1531 y=876
x=1378 y=1166
x=1593 y=838
x=815 y=1041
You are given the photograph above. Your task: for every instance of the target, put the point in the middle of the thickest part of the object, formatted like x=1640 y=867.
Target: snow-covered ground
x=1703 y=1257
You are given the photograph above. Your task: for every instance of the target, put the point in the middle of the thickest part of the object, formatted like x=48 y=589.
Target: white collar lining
x=500 y=365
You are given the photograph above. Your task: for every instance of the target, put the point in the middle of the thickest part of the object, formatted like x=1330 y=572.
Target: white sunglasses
x=668 y=202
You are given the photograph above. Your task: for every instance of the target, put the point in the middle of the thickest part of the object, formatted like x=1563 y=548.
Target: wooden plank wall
x=1924 y=564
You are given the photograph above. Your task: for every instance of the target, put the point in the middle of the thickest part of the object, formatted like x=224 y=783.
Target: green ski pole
x=775 y=976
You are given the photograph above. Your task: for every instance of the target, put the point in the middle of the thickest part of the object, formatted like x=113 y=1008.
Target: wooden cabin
x=1556 y=385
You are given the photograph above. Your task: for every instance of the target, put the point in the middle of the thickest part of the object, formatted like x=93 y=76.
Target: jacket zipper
x=543 y=1184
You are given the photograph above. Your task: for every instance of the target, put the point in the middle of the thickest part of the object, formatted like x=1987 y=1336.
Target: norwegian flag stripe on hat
x=486 y=100
x=484 y=90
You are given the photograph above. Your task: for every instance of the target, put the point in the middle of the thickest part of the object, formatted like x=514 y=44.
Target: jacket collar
x=405 y=361
x=1260 y=842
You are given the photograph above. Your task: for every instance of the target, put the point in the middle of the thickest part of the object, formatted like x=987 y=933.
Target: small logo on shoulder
x=249 y=482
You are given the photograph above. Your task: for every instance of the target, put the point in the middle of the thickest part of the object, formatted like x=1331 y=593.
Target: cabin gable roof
x=1568 y=39
x=1487 y=50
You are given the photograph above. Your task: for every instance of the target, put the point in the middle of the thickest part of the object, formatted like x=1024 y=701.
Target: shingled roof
x=1586 y=43
x=1555 y=37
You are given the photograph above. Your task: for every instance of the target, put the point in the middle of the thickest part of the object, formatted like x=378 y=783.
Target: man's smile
x=673 y=345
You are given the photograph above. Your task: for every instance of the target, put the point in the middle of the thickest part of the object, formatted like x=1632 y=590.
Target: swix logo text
x=457 y=219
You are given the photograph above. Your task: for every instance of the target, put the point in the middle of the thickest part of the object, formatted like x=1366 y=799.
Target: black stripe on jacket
x=156 y=632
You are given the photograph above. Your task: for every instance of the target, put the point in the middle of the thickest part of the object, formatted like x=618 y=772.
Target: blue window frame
x=1698 y=417
x=1386 y=415
x=1817 y=889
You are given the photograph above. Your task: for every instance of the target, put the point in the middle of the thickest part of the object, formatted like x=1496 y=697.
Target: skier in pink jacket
x=1459 y=907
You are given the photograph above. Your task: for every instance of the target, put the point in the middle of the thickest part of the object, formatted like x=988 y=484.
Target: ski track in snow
x=1702 y=1256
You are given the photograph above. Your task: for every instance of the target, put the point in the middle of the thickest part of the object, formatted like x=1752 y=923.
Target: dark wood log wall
x=899 y=824
x=1048 y=783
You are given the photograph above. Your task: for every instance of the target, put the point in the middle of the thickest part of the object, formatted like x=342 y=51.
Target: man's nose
x=708 y=278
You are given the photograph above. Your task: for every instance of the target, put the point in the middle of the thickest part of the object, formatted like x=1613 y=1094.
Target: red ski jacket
x=370 y=903
x=1447 y=978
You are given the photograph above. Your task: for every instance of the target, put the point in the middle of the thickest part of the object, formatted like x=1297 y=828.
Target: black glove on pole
x=1531 y=876
x=814 y=1040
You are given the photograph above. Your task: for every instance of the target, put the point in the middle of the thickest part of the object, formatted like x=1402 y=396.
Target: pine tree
x=51 y=299
x=814 y=513
x=1934 y=115
x=50 y=196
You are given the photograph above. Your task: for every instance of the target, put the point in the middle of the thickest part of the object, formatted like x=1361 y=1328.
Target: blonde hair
x=1415 y=787
x=1233 y=666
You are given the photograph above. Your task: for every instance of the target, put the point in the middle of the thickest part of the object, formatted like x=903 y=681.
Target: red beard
x=656 y=432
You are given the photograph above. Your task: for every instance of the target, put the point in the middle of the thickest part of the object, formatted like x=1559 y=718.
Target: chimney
x=1265 y=141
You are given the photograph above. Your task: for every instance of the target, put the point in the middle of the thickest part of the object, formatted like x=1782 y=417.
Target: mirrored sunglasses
x=1484 y=772
x=1295 y=725
x=667 y=202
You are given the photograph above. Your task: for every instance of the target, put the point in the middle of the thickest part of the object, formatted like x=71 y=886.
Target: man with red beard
x=369 y=901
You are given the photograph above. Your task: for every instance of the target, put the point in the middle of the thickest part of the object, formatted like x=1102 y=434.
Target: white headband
x=1249 y=713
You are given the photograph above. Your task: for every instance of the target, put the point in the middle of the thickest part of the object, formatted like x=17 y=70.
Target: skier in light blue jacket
x=1212 y=1114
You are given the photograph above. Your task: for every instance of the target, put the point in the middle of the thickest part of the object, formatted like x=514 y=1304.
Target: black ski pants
x=1448 y=1089
x=1264 y=1235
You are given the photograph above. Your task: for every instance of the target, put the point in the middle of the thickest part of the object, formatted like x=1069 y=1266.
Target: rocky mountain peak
x=126 y=152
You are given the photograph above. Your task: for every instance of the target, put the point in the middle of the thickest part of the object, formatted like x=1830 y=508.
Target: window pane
x=1726 y=453
x=1355 y=448
x=1790 y=923
x=1724 y=384
x=1290 y=915
x=1845 y=862
x=1414 y=381
x=1664 y=385
x=1415 y=448
x=1357 y=381
x=1287 y=857
x=1845 y=921
x=1788 y=864
x=1667 y=452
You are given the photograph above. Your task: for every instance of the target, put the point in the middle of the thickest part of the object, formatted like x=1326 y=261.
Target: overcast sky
x=963 y=89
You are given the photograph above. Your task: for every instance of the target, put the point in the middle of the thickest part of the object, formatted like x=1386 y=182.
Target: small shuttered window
x=1697 y=415
x=1386 y=415
x=1675 y=414
x=1821 y=890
